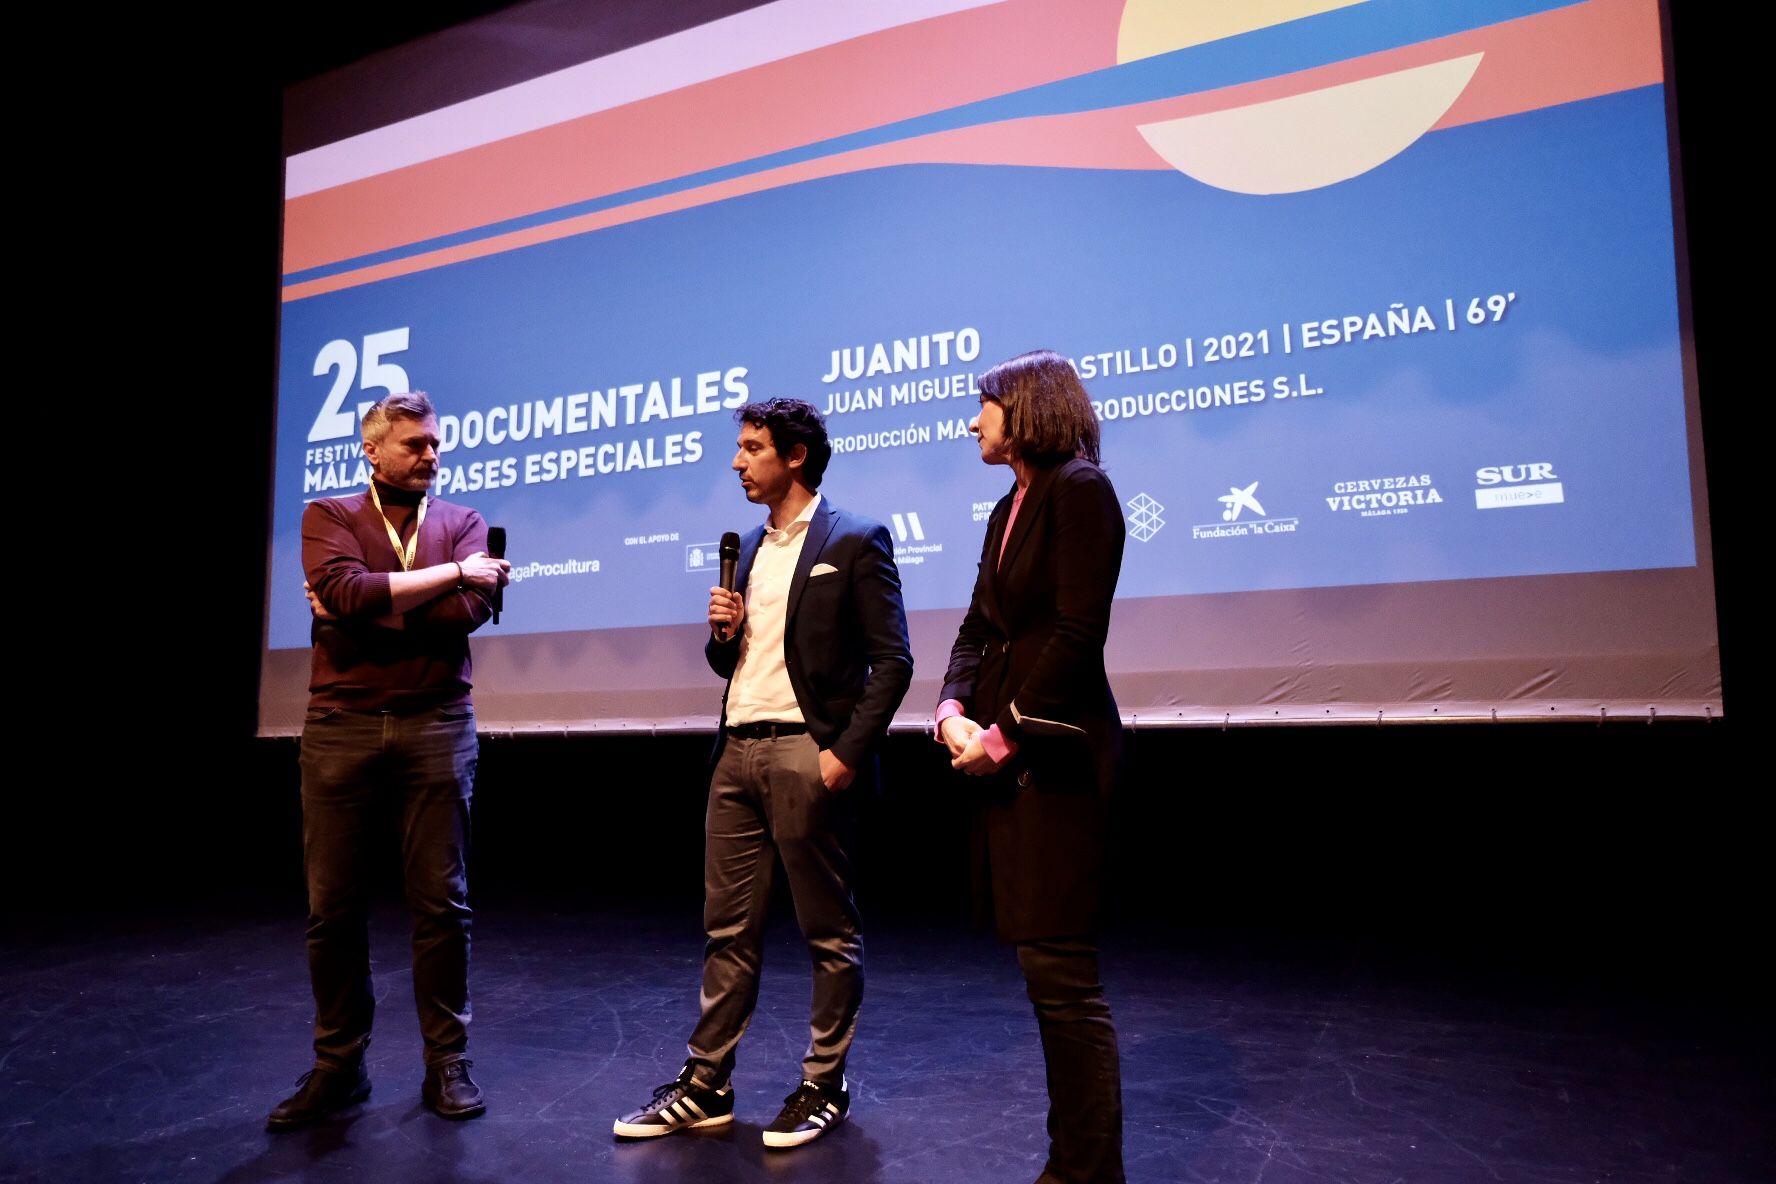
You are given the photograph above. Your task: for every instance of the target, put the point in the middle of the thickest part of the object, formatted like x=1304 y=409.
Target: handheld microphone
x=496 y=547
x=730 y=563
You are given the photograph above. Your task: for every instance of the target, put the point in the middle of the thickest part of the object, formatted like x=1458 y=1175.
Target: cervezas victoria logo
x=1383 y=497
x=1243 y=516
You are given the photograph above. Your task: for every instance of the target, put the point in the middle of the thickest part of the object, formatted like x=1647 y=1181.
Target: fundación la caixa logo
x=1236 y=504
x=1531 y=483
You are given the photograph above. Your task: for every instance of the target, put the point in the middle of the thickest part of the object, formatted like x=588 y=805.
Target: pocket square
x=822 y=569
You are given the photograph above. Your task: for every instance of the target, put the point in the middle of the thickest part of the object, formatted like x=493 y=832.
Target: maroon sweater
x=347 y=558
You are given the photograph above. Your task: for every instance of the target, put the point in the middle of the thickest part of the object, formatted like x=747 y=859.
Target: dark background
x=1628 y=860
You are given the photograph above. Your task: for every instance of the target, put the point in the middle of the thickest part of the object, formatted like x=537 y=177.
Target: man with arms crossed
x=817 y=660
x=397 y=581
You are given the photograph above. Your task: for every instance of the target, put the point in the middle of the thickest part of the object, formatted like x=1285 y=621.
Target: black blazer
x=845 y=640
x=1030 y=653
x=1030 y=658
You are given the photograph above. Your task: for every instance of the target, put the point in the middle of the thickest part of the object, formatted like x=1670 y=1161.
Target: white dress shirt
x=760 y=690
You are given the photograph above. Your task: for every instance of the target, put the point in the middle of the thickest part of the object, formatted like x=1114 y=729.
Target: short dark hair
x=792 y=422
x=1048 y=416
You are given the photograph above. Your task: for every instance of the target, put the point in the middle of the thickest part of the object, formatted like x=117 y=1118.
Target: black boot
x=451 y=1092
x=320 y=1091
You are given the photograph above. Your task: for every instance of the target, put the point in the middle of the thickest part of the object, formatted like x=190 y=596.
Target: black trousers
x=766 y=801
x=1079 y=1050
x=355 y=766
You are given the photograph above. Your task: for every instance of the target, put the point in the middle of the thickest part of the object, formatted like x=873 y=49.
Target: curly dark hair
x=1048 y=415
x=792 y=422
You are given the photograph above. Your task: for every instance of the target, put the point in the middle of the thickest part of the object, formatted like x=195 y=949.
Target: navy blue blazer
x=845 y=640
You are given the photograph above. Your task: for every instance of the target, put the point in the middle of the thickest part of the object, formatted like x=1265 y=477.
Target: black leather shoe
x=451 y=1092
x=319 y=1092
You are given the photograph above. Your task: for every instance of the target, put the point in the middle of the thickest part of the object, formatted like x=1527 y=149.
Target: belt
x=766 y=730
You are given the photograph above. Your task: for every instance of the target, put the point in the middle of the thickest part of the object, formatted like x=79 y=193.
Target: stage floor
x=150 y=1051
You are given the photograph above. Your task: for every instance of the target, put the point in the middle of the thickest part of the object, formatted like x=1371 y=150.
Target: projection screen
x=1379 y=303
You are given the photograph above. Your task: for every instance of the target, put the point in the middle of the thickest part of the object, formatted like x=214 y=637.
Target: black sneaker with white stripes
x=808 y=1113
x=680 y=1104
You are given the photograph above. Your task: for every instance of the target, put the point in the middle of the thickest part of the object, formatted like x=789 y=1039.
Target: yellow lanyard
x=404 y=554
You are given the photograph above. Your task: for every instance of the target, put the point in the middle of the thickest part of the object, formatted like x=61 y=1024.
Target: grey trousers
x=766 y=801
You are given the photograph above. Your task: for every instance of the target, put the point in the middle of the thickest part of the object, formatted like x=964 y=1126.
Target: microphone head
x=730 y=545
x=496 y=541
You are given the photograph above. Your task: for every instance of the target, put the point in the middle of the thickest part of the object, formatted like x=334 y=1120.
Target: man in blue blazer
x=816 y=656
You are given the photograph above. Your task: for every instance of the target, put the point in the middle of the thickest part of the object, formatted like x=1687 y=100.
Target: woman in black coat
x=1026 y=707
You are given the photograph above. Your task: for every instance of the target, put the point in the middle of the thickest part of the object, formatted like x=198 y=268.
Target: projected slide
x=1377 y=292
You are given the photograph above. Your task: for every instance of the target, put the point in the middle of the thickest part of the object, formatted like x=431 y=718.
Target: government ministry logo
x=1243 y=516
x=702 y=556
x=1144 y=518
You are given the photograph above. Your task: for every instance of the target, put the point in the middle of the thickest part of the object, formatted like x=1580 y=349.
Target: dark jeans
x=766 y=800
x=356 y=766
x=1079 y=1049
